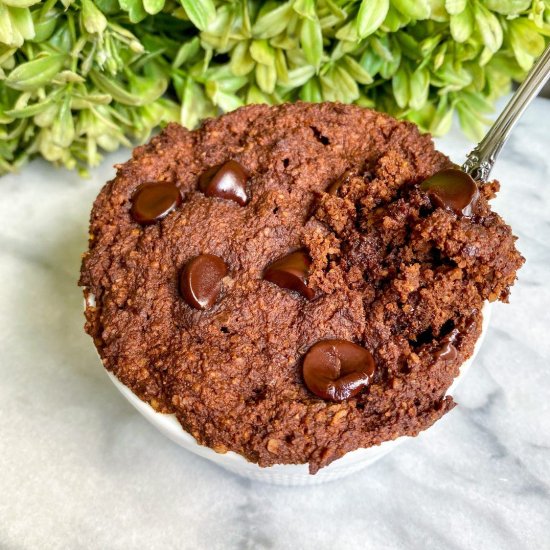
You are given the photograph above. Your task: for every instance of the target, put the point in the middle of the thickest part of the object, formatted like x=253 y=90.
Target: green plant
x=78 y=77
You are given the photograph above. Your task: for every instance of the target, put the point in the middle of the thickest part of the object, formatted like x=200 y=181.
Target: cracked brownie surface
x=390 y=270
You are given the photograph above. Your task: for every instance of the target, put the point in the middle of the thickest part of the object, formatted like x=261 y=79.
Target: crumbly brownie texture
x=391 y=271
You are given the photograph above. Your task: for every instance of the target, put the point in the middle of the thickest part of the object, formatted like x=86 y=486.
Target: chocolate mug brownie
x=293 y=282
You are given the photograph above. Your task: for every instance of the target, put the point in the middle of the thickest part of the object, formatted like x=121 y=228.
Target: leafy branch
x=79 y=77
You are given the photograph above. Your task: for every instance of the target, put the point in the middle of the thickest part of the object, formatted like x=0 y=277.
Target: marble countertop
x=80 y=468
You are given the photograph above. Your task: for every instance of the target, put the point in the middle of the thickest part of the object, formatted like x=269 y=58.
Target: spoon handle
x=481 y=159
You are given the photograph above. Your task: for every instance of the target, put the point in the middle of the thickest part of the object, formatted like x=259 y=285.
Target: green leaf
x=371 y=62
x=389 y=68
x=187 y=51
x=108 y=7
x=477 y=102
x=22 y=20
x=281 y=67
x=394 y=21
x=335 y=9
x=7 y=35
x=300 y=76
x=45 y=117
x=415 y=9
x=262 y=52
x=255 y=96
x=486 y=56
x=348 y=32
x=223 y=97
x=539 y=9
x=228 y=84
x=153 y=6
x=47 y=147
x=218 y=33
x=63 y=126
x=20 y=3
x=479 y=76
x=68 y=76
x=419 y=88
x=401 y=87
x=462 y=25
x=342 y=48
x=472 y=125
x=371 y=15
x=508 y=7
x=439 y=56
x=489 y=27
x=305 y=8
x=382 y=48
x=34 y=74
x=89 y=100
x=428 y=45
x=451 y=76
x=455 y=7
x=527 y=44
x=437 y=11
x=117 y=91
x=409 y=46
x=45 y=25
x=346 y=84
x=338 y=85
x=200 y=12
x=148 y=88
x=364 y=101
x=284 y=42
x=356 y=70
x=311 y=38
x=272 y=21
x=94 y=21
x=135 y=10
x=442 y=119
x=266 y=77
x=29 y=110
x=194 y=104
x=311 y=91
x=241 y=61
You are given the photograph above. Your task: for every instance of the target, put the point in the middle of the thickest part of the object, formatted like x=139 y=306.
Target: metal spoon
x=481 y=159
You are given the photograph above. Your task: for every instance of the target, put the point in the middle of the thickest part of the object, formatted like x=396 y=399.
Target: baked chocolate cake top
x=286 y=282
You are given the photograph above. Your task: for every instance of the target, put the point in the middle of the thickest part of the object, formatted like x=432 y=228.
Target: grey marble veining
x=79 y=468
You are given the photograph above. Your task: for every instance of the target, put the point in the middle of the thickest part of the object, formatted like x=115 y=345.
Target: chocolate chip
x=333 y=188
x=447 y=351
x=153 y=201
x=226 y=181
x=200 y=280
x=291 y=272
x=452 y=189
x=337 y=369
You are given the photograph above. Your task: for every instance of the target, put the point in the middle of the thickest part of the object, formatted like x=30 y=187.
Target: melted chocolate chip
x=153 y=201
x=447 y=351
x=200 y=280
x=291 y=272
x=226 y=181
x=333 y=188
x=452 y=189
x=337 y=369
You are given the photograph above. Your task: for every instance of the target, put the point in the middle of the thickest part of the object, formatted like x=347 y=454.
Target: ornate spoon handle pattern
x=481 y=159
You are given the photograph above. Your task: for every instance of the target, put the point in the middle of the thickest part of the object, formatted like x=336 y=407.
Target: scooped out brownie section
x=293 y=282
